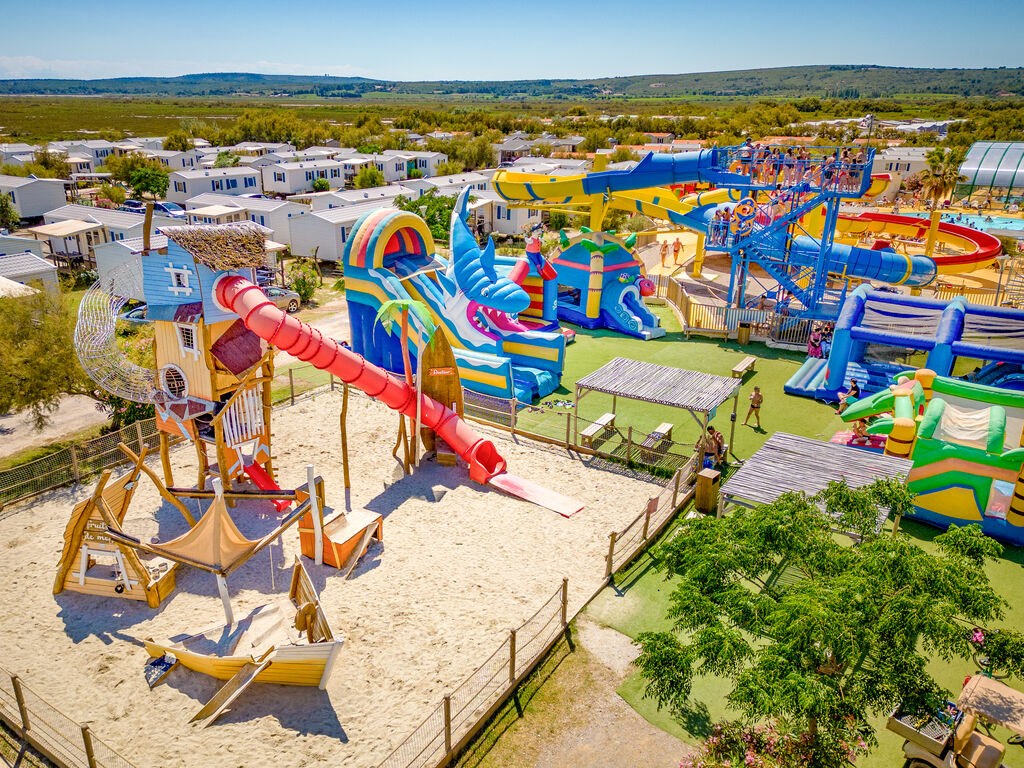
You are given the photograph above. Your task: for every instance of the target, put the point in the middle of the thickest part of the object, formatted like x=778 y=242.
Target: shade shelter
x=700 y=394
x=792 y=463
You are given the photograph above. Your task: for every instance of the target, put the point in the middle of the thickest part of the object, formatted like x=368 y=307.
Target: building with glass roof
x=996 y=169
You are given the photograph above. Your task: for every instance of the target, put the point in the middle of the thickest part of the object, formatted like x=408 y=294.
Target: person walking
x=676 y=246
x=664 y=251
x=756 y=399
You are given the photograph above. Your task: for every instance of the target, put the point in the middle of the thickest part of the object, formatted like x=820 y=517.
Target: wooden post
x=629 y=446
x=447 y=724
x=165 y=459
x=512 y=419
x=511 y=656
x=344 y=433
x=20 y=698
x=74 y=464
x=331 y=377
x=317 y=513
x=565 y=600
x=90 y=756
x=611 y=555
x=291 y=385
x=138 y=432
x=647 y=520
x=675 y=490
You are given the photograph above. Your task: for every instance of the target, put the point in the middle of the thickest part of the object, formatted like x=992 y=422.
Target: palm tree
x=398 y=310
x=942 y=174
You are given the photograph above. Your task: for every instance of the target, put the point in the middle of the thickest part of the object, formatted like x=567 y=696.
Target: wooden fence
x=49 y=731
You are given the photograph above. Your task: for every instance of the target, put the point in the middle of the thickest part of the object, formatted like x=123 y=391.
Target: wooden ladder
x=230 y=691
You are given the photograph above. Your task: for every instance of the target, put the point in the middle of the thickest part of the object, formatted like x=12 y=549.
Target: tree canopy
x=435 y=209
x=179 y=141
x=368 y=177
x=817 y=636
x=9 y=215
x=151 y=180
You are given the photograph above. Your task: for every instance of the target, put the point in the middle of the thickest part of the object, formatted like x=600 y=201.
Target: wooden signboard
x=440 y=380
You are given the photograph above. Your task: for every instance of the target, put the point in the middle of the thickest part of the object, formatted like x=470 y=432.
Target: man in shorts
x=756 y=398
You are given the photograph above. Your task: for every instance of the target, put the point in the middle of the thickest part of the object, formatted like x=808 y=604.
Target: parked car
x=283 y=298
x=173 y=210
x=135 y=316
x=133 y=206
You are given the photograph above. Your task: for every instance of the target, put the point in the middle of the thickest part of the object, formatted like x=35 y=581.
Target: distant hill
x=854 y=81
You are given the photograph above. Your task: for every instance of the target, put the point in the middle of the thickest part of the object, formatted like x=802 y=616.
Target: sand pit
x=418 y=614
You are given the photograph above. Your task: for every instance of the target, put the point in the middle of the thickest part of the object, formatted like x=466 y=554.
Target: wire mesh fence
x=56 y=736
x=625 y=545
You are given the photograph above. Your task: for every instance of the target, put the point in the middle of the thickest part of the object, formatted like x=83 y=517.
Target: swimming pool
x=976 y=221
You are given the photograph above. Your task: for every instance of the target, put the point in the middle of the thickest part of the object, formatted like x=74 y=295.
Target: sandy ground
x=419 y=614
x=73 y=414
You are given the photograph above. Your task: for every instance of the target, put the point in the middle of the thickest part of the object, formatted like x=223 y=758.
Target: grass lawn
x=639 y=603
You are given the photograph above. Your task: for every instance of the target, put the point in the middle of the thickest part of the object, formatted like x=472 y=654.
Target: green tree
x=151 y=180
x=435 y=209
x=36 y=328
x=450 y=168
x=942 y=175
x=304 y=279
x=321 y=185
x=54 y=164
x=113 y=193
x=9 y=216
x=846 y=635
x=226 y=159
x=122 y=167
x=621 y=155
x=178 y=141
x=367 y=177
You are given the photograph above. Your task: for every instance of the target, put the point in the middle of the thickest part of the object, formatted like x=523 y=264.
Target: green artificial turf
x=640 y=599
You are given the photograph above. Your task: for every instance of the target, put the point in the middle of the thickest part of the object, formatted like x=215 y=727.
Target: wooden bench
x=744 y=365
x=597 y=429
x=655 y=440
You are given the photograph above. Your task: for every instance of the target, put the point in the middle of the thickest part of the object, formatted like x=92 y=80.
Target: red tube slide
x=302 y=341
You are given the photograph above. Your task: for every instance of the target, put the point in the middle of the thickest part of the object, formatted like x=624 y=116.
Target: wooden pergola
x=700 y=394
x=792 y=463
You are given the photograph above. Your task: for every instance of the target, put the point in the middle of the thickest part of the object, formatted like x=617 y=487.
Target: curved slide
x=978 y=248
x=301 y=340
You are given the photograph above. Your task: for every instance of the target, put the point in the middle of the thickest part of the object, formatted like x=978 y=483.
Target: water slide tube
x=302 y=341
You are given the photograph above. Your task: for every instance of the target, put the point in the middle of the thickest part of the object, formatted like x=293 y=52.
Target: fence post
x=20 y=698
x=447 y=723
x=675 y=490
x=511 y=656
x=513 y=403
x=291 y=384
x=74 y=464
x=565 y=600
x=647 y=521
x=138 y=431
x=568 y=429
x=332 y=381
x=629 y=446
x=611 y=554
x=90 y=757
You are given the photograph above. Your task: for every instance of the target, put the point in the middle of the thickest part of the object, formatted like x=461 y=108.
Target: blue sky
x=470 y=40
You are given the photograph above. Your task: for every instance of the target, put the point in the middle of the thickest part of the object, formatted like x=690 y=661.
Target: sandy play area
x=418 y=614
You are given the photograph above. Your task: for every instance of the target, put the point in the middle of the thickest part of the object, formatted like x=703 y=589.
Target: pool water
x=977 y=222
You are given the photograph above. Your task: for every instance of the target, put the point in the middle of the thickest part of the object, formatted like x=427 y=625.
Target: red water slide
x=301 y=340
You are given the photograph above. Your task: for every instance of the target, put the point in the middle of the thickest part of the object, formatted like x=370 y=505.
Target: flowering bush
x=735 y=745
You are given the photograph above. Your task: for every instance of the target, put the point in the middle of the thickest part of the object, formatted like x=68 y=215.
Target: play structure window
x=569 y=295
x=173 y=380
x=187 y=340
x=179 y=280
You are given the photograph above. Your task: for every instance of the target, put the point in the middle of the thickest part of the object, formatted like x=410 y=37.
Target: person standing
x=676 y=246
x=664 y=251
x=756 y=399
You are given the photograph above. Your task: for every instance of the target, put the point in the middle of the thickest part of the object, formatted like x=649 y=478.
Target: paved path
x=74 y=414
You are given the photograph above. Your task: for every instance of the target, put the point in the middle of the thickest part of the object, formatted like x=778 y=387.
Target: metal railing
x=60 y=739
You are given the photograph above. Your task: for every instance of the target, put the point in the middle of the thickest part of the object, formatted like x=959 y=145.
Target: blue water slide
x=951 y=326
x=658 y=171
x=866 y=264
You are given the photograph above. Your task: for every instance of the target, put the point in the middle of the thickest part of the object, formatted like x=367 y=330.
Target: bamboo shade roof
x=792 y=463
x=675 y=387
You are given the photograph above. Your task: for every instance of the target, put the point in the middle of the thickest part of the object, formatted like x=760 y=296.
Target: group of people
x=713 y=442
x=842 y=171
x=820 y=340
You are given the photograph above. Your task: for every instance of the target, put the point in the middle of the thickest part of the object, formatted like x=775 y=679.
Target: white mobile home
x=73 y=231
x=275 y=215
x=27 y=268
x=33 y=197
x=175 y=160
x=292 y=178
x=229 y=181
x=326 y=232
